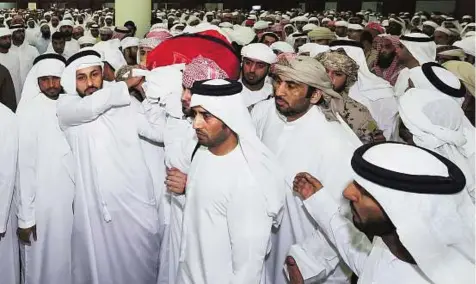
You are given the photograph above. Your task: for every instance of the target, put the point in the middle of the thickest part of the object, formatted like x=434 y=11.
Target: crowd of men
x=237 y=147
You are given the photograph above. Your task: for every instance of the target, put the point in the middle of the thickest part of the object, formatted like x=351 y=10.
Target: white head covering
x=261 y=25
x=114 y=57
x=226 y=25
x=88 y=58
x=159 y=26
x=464 y=30
x=47 y=66
x=467 y=44
x=342 y=24
x=309 y=27
x=65 y=23
x=457 y=52
x=431 y=24
x=87 y=39
x=437 y=229
x=301 y=19
x=421 y=46
x=282 y=46
x=315 y=19
x=164 y=84
x=436 y=123
x=313 y=48
x=242 y=35
x=355 y=27
x=422 y=81
x=192 y=19
x=400 y=22
x=443 y=30
x=129 y=42
x=259 y=51
x=368 y=84
x=262 y=163
x=174 y=30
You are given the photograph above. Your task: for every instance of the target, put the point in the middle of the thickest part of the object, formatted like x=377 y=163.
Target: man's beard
x=53 y=93
x=341 y=89
x=68 y=33
x=46 y=35
x=89 y=91
x=374 y=227
x=18 y=40
x=384 y=61
x=258 y=82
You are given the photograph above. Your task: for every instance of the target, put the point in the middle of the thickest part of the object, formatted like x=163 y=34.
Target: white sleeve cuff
x=26 y=224
x=321 y=206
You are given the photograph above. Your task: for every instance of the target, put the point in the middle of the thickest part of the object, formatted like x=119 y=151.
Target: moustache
x=91 y=90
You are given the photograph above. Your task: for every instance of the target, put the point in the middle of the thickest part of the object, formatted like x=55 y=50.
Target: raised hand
x=306 y=185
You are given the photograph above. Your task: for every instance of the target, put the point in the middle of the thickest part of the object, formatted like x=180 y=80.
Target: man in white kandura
x=45 y=177
x=410 y=201
x=10 y=262
x=115 y=231
x=234 y=194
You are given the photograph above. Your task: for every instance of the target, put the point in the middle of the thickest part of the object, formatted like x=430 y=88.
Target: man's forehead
x=86 y=70
x=49 y=77
x=255 y=60
x=286 y=79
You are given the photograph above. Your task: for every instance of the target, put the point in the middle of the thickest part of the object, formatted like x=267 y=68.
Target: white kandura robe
x=53 y=29
x=323 y=149
x=226 y=227
x=46 y=192
x=151 y=124
x=42 y=44
x=9 y=262
x=372 y=262
x=180 y=141
x=32 y=35
x=402 y=83
x=115 y=230
x=253 y=97
x=383 y=108
x=71 y=47
x=28 y=54
x=11 y=61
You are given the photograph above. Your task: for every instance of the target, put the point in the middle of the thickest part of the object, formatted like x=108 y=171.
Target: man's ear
x=316 y=96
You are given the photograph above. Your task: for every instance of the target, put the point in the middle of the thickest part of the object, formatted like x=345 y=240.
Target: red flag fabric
x=184 y=48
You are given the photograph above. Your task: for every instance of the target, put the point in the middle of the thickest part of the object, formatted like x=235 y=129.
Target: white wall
x=7 y=5
x=213 y=6
x=331 y=5
x=436 y=6
x=370 y=5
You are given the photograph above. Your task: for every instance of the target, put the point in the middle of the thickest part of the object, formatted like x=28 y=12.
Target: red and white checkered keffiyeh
x=199 y=69
x=158 y=33
x=390 y=74
x=149 y=43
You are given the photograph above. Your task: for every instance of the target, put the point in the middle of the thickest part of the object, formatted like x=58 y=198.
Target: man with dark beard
x=44 y=40
x=44 y=170
x=398 y=200
x=71 y=45
x=257 y=60
x=123 y=216
x=27 y=52
x=289 y=125
x=10 y=59
x=387 y=65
